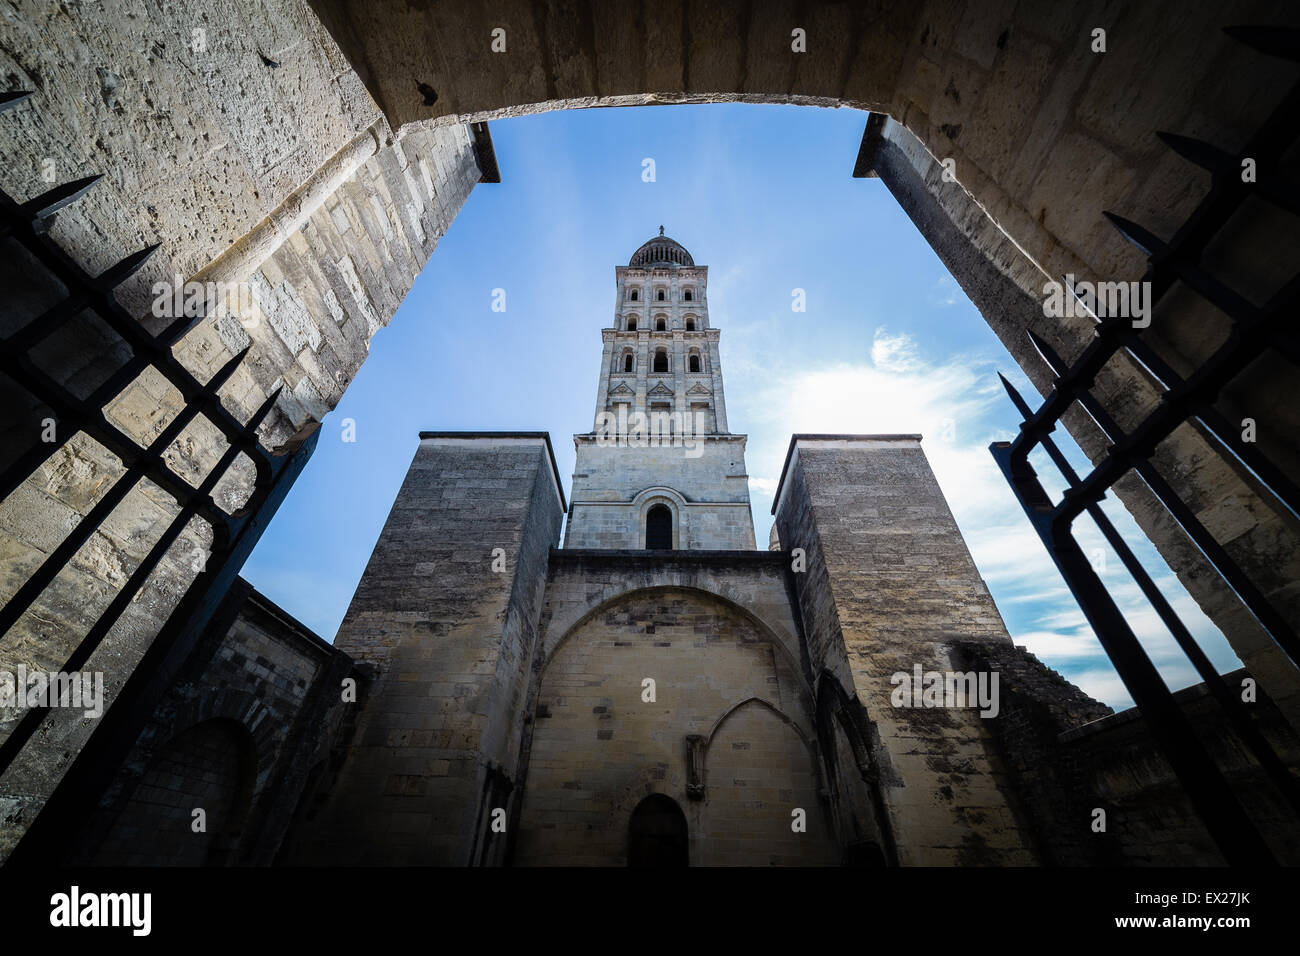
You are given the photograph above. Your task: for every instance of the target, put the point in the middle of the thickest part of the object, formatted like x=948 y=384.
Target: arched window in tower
x=661 y=295
x=690 y=296
x=634 y=296
x=661 y=361
x=657 y=834
x=627 y=362
x=659 y=528
x=631 y=324
x=661 y=325
x=690 y=325
x=695 y=362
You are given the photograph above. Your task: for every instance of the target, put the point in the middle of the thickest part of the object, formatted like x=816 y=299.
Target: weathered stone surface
x=450 y=640
x=863 y=509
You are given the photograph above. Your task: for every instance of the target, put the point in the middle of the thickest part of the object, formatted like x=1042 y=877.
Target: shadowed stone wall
x=449 y=628
x=238 y=735
x=889 y=585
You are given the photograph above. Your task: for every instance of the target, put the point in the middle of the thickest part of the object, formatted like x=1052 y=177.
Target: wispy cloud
x=945 y=292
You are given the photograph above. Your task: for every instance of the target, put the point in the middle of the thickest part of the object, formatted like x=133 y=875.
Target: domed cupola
x=660 y=252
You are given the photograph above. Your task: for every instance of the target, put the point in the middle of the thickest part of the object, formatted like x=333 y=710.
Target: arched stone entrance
x=657 y=834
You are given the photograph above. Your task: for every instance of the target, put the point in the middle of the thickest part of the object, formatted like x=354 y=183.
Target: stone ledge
x=508 y=436
x=624 y=558
x=864 y=439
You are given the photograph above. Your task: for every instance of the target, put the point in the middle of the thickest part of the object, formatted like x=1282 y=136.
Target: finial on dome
x=661 y=230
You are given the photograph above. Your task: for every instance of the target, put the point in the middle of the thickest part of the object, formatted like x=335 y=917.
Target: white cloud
x=1052 y=645
x=894 y=353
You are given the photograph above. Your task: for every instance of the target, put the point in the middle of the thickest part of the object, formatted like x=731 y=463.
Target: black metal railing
x=1189 y=399
x=233 y=534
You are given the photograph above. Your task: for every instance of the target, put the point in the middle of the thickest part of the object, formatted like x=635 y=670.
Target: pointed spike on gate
x=250 y=427
x=51 y=201
x=1135 y=234
x=1272 y=40
x=1196 y=151
x=11 y=99
x=116 y=274
x=228 y=369
x=1016 y=398
x=1010 y=389
x=1046 y=351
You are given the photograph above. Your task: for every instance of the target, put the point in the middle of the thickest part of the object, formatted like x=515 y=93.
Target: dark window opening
x=690 y=325
x=627 y=363
x=695 y=363
x=661 y=326
x=659 y=529
x=631 y=325
x=661 y=361
x=661 y=295
x=688 y=295
x=656 y=835
x=634 y=295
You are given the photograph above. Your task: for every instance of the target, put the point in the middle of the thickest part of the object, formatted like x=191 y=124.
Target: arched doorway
x=211 y=767
x=656 y=834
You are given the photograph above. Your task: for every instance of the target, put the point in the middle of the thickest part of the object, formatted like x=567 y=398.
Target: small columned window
x=661 y=325
x=690 y=325
x=634 y=296
x=659 y=528
x=627 y=362
x=661 y=295
x=631 y=325
x=690 y=296
x=661 y=361
x=694 y=363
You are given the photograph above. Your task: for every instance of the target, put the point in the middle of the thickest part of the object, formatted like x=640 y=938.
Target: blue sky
x=764 y=196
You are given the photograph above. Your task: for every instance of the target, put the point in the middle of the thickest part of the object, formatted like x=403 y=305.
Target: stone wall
x=889 y=586
x=259 y=161
x=706 y=487
x=1150 y=821
x=449 y=629
x=1051 y=783
x=238 y=736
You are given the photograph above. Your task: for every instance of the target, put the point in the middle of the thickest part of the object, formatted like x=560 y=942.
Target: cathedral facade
x=658 y=690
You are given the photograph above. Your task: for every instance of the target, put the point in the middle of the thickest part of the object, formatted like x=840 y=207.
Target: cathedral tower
x=659 y=469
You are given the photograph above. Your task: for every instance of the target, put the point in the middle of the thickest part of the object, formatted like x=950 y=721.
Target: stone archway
x=601 y=739
x=209 y=767
x=328 y=208
x=657 y=834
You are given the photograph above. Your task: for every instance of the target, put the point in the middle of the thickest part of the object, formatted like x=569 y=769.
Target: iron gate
x=1188 y=399
x=233 y=534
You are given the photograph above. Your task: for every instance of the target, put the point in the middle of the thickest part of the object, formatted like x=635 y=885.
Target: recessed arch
x=209 y=766
x=604 y=603
x=757 y=702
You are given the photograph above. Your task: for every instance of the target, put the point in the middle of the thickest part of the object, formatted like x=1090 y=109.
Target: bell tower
x=659 y=469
